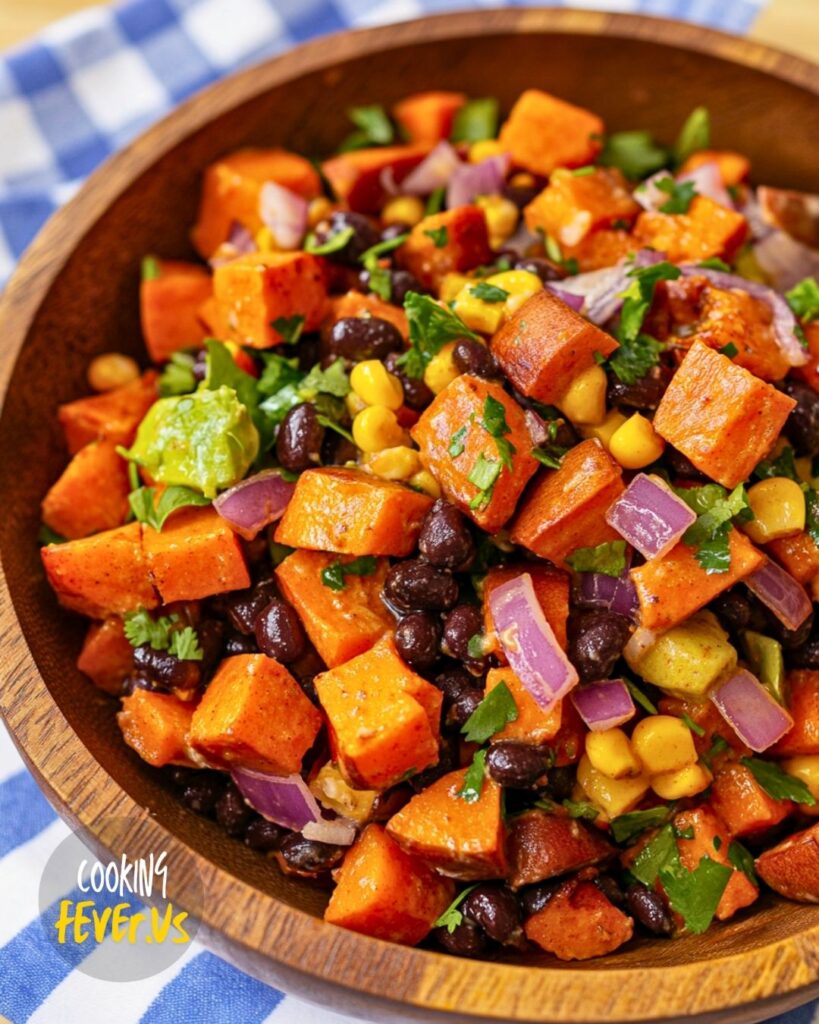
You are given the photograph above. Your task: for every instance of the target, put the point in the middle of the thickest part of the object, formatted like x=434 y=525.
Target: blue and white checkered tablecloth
x=69 y=98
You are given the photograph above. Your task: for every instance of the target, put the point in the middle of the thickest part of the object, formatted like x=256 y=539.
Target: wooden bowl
x=75 y=295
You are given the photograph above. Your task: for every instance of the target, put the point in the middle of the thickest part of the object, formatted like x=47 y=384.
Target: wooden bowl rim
x=417 y=978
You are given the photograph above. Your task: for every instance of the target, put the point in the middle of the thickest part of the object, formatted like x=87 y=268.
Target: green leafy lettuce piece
x=495 y=712
x=476 y=120
x=608 y=558
x=430 y=328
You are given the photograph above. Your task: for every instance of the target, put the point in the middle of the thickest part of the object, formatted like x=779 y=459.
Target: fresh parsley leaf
x=452 y=917
x=48 y=536
x=695 y=894
x=729 y=350
x=324 y=388
x=803 y=299
x=714 y=263
x=693 y=726
x=483 y=475
x=710 y=534
x=638 y=695
x=289 y=327
x=718 y=746
x=680 y=194
x=177 y=377
x=473 y=780
x=489 y=292
x=743 y=860
x=185 y=645
x=694 y=135
x=147 y=509
x=334 y=575
x=335 y=243
x=494 y=423
x=634 y=359
x=658 y=852
x=635 y=153
x=435 y=202
x=278 y=372
x=150 y=269
x=783 y=465
x=476 y=120
x=637 y=298
x=626 y=827
x=332 y=381
x=430 y=328
x=582 y=172
x=141 y=628
x=777 y=783
x=374 y=128
x=495 y=712
x=581 y=809
x=550 y=458
x=439 y=236
x=608 y=558
x=456 y=442
x=380 y=279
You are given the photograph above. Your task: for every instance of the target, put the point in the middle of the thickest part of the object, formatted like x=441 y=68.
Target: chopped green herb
x=435 y=202
x=638 y=695
x=289 y=327
x=710 y=534
x=695 y=894
x=373 y=126
x=495 y=711
x=335 y=575
x=185 y=645
x=380 y=279
x=729 y=350
x=494 y=423
x=718 y=746
x=476 y=120
x=661 y=849
x=783 y=465
x=430 y=328
x=147 y=509
x=489 y=292
x=456 y=442
x=484 y=475
x=803 y=299
x=177 y=377
x=778 y=783
x=637 y=298
x=812 y=513
x=626 y=827
x=149 y=268
x=452 y=917
x=715 y=263
x=278 y=552
x=693 y=726
x=694 y=135
x=608 y=558
x=475 y=646
x=635 y=153
x=717 y=842
x=743 y=860
x=335 y=243
x=473 y=780
x=633 y=360
x=582 y=172
x=581 y=809
x=681 y=194
x=439 y=236
x=48 y=536
x=278 y=373
x=550 y=458
x=162 y=634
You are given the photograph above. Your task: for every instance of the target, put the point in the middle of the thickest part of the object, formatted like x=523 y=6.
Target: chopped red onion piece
x=337 y=832
x=537 y=427
x=434 y=171
x=648 y=195
x=284 y=212
x=602 y=290
x=785 y=261
x=570 y=298
x=751 y=711
x=471 y=180
x=708 y=182
x=650 y=516
x=604 y=705
x=536 y=658
x=780 y=592
x=283 y=799
x=641 y=640
x=254 y=503
x=614 y=593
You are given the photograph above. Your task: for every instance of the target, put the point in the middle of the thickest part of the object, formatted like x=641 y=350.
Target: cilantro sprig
x=608 y=558
x=335 y=575
x=710 y=534
x=494 y=423
x=778 y=783
x=680 y=194
x=147 y=509
x=626 y=827
x=803 y=299
x=473 y=780
x=373 y=128
x=484 y=475
x=162 y=634
x=452 y=916
x=494 y=713
x=491 y=293
x=431 y=326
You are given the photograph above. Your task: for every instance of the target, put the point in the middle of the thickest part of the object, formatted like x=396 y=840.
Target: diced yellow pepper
x=663 y=743
x=614 y=796
x=441 y=369
x=520 y=286
x=778 y=504
x=686 y=781
x=610 y=753
x=451 y=285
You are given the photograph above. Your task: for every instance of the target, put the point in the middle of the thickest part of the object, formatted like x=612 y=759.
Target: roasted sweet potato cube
x=798 y=554
x=352 y=513
x=705 y=231
x=602 y=248
x=358 y=304
x=572 y=206
x=710 y=839
x=427 y=117
x=106 y=656
x=546 y=344
x=105 y=574
x=113 y=416
x=544 y=132
x=533 y=725
x=254 y=715
x=673 y=587
x=543 y=845
x=230 y=191
x=792 y=867
x=457 y=838
x=803 y=704
x=195 y=555
x=91 y=495
x=169 y=308
x=742 y=804
x=723 y=418
x=809 y=373
x=252 y=292
x=466 y=245
x=383 y=718
x=565 y=508
x=569 y=741
x=456 y=446
x=340 y=623
x=156 y=726
x=357 y=177
x=579 y=923
x=734 y=168
x=552 y=591
x=384 y=892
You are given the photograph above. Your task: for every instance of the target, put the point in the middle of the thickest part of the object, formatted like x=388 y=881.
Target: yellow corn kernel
x=610 y=753
x=502 y=218
x=805 y=768
x=355 y=403
x=614 y=796
x=426 y=482
x=399 y=463
x=265 y=242
x=663 y=743
x=111 y=370
x=403 y=210
x=604 y=431
x=319 y=209
x=332 y=790
x=451 y=285
x=520 y=285
x=636 y=444
x=441 y=369
x=778 y=505
x=374 y=383
x=687 y=781
x=376 y=428
x=584 y=401
x=523 y=179
x=476 y=313
x=484 y=148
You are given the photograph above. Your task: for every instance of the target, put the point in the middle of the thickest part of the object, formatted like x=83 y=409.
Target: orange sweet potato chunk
x=459 y=839
x=602 y=248
x=809 y=373
x=352 y=513
x=572 y=206
x=673 y=587
x=792 y=867
x=579 y=923
x=106 y=656
x=707 y=827
x=551 y=589
x=340 y=623
x=543 y=845
x=356 y=177
x=462 y=404
x=427 y=117
x=230 y=191
x=254 y=715
x=169 y=308
x=105 y=574
x=383 y=718
x=798 y=554
x=723 y=418
x=705 y=231
x=195 y=555
x=734 y=168
x=466 y=245
x=113 y=416
x=742 y=804
x=533 y=725
x=358 y=304
x=565 y=509
x=803 y=704
x=384 y=892
x=91 y=495
x=544 y=132
x=156 y=726
x=546 y=344
x=252 y=292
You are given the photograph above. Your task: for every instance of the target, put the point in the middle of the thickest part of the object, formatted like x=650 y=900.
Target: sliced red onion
x=784 y=322
x=614 y=593
x=239 y=242
x=284 y=212
x=641 y=640
x=758 y=227
x=650 y=516
x=785 y=261
x=434 y=171
x=751 y=711
x=648 y=195
x=780 y=592
x=570 y=298
x=604 y=705
x=534 y=654
x=602 y=290
x=708 y=182
x=471 y=180
x=255 y=503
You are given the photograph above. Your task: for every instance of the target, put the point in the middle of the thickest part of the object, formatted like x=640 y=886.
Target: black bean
x=211 y=635
x=140 y=681
x=365 y=235
x=733 y=609
x=563 y=435
x=417 y=636
x=495 y=909
x=596 y=642
x=460 y=625
x=649 y=909
x=471 y=356
x=279 y=632
x=447 y=762
x=308 y=685
x=611 y=890
x=308 y=856
x=416 y=393
x=644 y=393
x=181 y=776
x=466 y=939
x=806 y=655
x=414 y=585
x=462 y=707
x=242 y=607
x=168 y=671
x=802 y=426
x=202 y=794
x=364 y=337
x=517 y=765
x=401 y=282
x=535 y=897
x=791 y=638
x=453 y=682
x=390 y=802
x=561 y=782
x=264 y=835
x=298 y=442
x=681 y=465
x=232 y=812
x=337 y=450
x=545 y=269
x=445 y=540
x=237 y=643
